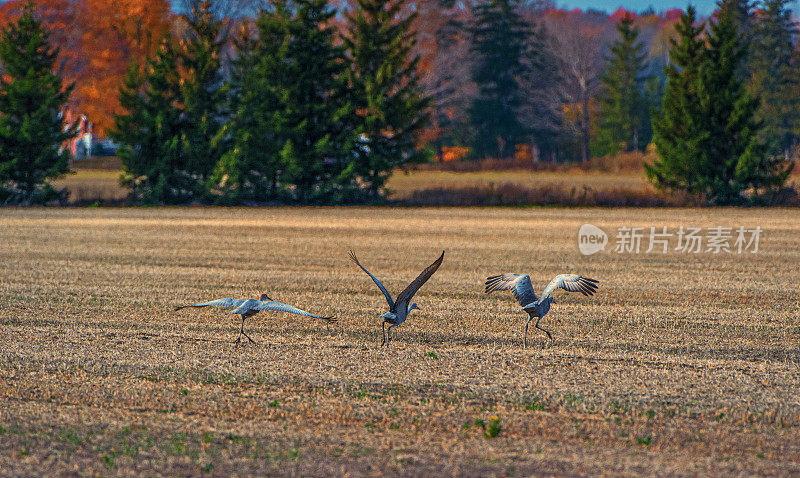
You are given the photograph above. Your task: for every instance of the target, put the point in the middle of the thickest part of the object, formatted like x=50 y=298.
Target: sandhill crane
x=250 y=307
x=400 y=308
x=521 y=288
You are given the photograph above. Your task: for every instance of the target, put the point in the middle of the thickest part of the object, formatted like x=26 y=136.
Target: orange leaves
x=113 y=33
x=98 y=39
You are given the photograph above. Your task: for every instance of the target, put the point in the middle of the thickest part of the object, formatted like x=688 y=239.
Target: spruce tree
x=202 y=93
x=150 y=131
x=32 y=98
x=774 y=75
x=306 y=71
x=389 y=101
x=721 y=155
x=499 y=40
x=625 y=117
x=677 y=131
x=250 y=169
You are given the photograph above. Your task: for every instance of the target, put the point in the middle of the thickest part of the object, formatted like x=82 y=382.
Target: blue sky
x=704 y=7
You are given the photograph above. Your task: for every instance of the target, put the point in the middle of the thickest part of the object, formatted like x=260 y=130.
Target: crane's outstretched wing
x=571 y=283
x=280 y=307
x=220 y=302
x=519 y=285
x=404 y=298
x=375 y=279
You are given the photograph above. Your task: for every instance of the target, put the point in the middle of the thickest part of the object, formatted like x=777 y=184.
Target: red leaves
x=97 y=40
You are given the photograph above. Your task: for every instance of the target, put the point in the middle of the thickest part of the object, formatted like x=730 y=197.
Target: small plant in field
x=535 y=405
x=209 y=466
x=394 y=426
x=573 y=400
x=644 y=441
x=490 y=430
x=185 y=391
x=273 y=404
x=432 y=355
x=493 y=428
x=108 y=460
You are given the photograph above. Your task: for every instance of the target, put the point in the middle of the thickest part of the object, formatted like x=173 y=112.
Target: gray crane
x=521 y=288
x=400 y=308
x=250 y=307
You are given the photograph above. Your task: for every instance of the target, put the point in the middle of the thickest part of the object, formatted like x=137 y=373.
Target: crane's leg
x=525 y=337
x=383 y=333
x=543 y=330
x=242 y=332
x=388 y=332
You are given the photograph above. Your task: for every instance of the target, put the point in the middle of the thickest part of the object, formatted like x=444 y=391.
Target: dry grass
x=682 y=364
x=403 y=185
x=526 y=188
x=87 y=186
x=605 y=181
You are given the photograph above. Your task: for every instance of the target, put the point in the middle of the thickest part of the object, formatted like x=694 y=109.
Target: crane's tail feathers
x=181 y=307
x=493 y=283
x=331 y=320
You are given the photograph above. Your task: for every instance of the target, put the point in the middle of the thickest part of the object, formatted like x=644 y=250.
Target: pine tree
x=677 y=131
x=250 y=169
x=150 y=131
x=742 y=16
x=499 y=39
x=306 y=72
x=716 y=152
x=774 y=75
x=32 y=98
x=202 y=94
x=389 y=101
x=625 y=118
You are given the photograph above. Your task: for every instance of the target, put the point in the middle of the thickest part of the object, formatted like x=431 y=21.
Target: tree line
x=305 y=114
x=312 y=105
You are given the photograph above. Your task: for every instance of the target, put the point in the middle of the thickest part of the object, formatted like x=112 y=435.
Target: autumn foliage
x=98 y=40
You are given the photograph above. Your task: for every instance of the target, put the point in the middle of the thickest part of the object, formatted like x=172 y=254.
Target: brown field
x=90 y=185
x=403 y=185
x=682 y=364
x=432 y=187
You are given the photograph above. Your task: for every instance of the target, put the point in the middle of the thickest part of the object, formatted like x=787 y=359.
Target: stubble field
x=682 y=364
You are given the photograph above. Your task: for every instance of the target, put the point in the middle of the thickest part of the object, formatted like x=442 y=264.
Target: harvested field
x=682 y=364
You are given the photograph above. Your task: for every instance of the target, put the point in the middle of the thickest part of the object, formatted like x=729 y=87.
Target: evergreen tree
x=677 y=131
x=742 y=16
x=307 y=75
x=499 y=41
x=716 y=151
x=150 y=132
x=389 y=101
x=202 y=94
x=250 y=169
x=32 y=98
x=775 y=72
x=625 y=117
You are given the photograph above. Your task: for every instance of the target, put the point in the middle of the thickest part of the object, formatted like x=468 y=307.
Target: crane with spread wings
x=400 y=308
x=522 y=290
x=250 y=307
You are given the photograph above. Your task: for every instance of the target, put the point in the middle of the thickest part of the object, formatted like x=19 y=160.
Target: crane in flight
x=250 y=307
x=400 y=308
x=522 y=290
